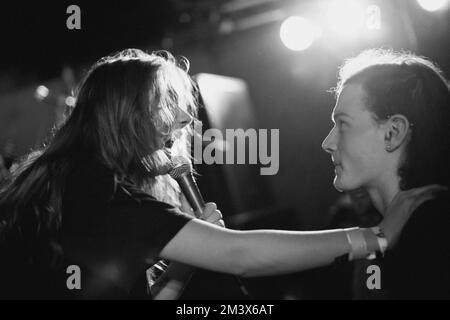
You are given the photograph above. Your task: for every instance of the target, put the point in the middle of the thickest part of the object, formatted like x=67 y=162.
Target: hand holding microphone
x=181 y=172
x=212 y=215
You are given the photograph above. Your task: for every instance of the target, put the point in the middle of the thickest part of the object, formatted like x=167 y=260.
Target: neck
x=383 y=193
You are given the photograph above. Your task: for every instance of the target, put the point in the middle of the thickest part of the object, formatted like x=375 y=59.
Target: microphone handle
x=191 y=192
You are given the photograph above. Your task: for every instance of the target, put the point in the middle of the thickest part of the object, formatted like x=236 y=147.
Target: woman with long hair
x=79 y=202
x=391 y=133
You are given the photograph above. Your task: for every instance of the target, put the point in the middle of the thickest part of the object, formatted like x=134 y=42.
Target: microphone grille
x=180 y=170
x=180 y=167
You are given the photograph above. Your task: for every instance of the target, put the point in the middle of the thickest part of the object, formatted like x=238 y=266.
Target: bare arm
x=254 y=253
x=271 y=252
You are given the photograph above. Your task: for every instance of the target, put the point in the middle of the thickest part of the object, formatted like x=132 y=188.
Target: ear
x=397 y=132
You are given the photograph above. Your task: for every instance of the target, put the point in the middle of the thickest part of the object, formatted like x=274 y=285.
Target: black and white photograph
x=231 y=155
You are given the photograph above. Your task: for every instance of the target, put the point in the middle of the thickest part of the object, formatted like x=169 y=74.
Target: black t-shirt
x=113 y=232
x=419 y=265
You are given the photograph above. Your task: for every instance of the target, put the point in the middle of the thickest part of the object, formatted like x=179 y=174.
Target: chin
x=343 y=186
x=338 y=187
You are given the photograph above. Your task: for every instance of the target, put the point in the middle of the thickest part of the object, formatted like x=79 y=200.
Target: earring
x=388 y=147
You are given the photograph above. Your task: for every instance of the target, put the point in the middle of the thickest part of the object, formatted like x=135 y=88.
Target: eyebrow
x=340 y=114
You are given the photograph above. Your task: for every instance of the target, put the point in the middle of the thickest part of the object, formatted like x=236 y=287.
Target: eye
x=340 y=123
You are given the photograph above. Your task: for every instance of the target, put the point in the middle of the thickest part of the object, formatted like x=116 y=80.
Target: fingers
x=215 y=216
x=220 y=223
x=212 y=215
x=404 y=204
x=417 y=193
x=433 y=188
x=207 y=210
x=421 y=199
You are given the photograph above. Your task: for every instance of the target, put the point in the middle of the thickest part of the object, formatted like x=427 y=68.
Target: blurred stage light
x=433 y=5
x=41 y=92
x=297 y=33
x=346 y=17
x=70 y=101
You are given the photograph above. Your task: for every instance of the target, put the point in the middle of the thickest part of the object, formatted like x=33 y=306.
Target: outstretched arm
x=254 y=253
x=270 y=252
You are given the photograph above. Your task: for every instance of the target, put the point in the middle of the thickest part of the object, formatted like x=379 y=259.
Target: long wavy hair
x=125 y=106
x=407 y=84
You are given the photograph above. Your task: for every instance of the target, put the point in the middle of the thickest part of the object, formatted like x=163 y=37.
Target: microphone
x=181 y=172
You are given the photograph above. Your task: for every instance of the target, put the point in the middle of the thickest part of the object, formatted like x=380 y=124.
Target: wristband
x=357 y=243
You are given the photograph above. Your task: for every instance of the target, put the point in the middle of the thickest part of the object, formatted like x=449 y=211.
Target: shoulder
x=433 y=212
x=419 y=266
x=91 y=180
x=430 y=221
x=101 y=205
x=127 y=194
x=93 y=184
x=94 y=181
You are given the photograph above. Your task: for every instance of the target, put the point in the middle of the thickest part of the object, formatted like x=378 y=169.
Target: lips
x=336 y=163
x=169 y=143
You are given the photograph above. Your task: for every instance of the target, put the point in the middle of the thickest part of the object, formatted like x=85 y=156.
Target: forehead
x=351 y=100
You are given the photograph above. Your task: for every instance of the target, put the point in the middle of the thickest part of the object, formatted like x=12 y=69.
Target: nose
x=183 y=119
x=329 y=144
